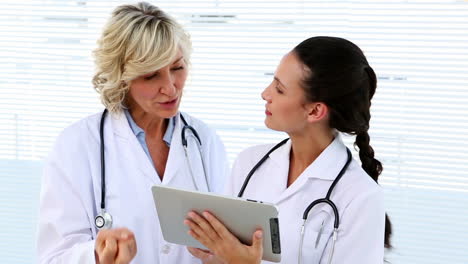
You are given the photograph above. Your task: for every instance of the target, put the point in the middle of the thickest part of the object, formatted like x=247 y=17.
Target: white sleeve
x=231 y=187
x=216 y=163
x=242 y=166
x=64 y=229
x=361 y=232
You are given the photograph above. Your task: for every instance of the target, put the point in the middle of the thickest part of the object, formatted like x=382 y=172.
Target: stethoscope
x=325 y=200
x=104 y=219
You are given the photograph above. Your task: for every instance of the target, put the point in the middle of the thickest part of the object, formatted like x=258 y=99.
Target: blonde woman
x=96 y=204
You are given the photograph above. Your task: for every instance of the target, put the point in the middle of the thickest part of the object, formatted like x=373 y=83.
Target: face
x=285 y=98
x=159 y=93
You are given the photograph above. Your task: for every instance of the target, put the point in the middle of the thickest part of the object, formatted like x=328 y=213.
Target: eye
x=278 y=89
x=178 y=68
x=151 y=76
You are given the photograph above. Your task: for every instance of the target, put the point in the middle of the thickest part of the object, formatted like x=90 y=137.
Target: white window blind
x=419 y=113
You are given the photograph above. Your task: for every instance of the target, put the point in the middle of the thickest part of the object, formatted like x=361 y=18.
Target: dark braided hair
x=340 y=76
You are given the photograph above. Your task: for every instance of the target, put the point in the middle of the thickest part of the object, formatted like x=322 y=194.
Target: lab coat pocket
x=316 y=235
x=314 y=245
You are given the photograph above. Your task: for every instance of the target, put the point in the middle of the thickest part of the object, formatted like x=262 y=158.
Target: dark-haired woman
x=322 y=88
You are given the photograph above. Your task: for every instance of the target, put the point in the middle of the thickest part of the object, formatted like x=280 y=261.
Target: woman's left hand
x=215 y=236
x=205 y=256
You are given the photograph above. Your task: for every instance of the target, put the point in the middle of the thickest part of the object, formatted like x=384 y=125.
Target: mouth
x=170 y=104
x=268 y=113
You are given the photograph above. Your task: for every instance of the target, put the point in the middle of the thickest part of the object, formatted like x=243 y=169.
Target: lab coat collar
x=326 y=166
x=120 y=125
x=122 y=129
x=175 y=160
x=176 y=156
x=134 y=151
x=330 y=162
x=281 y=155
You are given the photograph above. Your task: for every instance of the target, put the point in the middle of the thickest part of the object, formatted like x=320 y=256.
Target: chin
x=273 y=126
x=163 y=113
x=170 y=113
x=269 y=125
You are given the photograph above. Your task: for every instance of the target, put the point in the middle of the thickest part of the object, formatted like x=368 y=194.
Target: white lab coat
x=358 y=198
x=71 y=188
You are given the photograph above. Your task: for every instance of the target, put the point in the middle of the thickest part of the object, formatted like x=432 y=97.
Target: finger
x=127 y=243
x=102 y=236
x=257 y=241
x=109 y=252
x=123 y=255
x=101 y=240
x=198 y=233
x=133 y=246
x=218 y=227
x=199 y=253
x=124 y=233
x=126 y=252
x=204 y=225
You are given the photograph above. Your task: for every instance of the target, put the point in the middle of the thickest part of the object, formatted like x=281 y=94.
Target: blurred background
x=419 y=125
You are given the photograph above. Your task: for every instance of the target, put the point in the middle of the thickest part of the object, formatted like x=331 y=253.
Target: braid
x=341 y=77
x=388 y=232
x=372 y=166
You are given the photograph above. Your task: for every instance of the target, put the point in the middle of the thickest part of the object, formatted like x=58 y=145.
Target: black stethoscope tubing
x=104 y=218
x=103 y=163
x=326 y=200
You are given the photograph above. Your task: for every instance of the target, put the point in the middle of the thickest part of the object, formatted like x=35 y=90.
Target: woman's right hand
x=116 y=245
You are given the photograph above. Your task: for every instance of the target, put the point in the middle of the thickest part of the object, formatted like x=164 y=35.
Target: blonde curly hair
x=138 y=39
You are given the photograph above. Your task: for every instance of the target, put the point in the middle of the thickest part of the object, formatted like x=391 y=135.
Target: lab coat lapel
x=176 y=154
x=132 y=150
x=280 y=158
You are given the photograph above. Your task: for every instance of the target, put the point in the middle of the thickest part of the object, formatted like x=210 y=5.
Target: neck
x=305 y=148
x=154 y=126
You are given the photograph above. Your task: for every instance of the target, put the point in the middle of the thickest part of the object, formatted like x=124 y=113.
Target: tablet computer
x=241 y=216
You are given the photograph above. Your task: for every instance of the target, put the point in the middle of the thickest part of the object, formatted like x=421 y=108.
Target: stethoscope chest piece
x=103 y=220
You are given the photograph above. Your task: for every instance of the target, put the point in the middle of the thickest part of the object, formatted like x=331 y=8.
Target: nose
x=266 y=95
x=168 y=85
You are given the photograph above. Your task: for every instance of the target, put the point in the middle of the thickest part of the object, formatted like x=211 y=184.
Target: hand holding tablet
x=239 y=216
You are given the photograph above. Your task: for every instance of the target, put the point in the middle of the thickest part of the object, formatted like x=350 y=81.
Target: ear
x=317 y=112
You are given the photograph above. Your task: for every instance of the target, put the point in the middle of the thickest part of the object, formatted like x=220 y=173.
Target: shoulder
x=80 y=132
x=360 y=187
x=76 y=129
x=197 y=124
x=206 y=132
x=248 y=157
x=256 y=151
x=74 y=147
